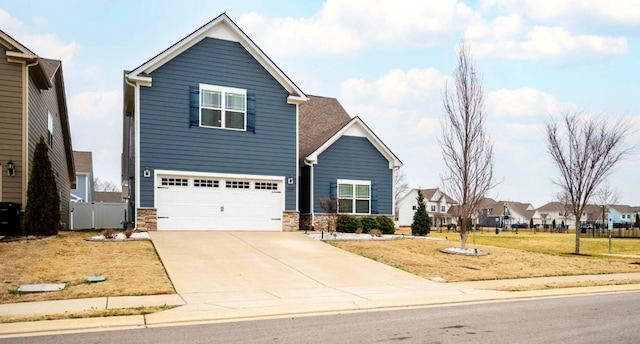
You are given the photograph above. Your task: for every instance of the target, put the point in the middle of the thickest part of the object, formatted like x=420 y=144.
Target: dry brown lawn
x=130 y=267
x=509 y=256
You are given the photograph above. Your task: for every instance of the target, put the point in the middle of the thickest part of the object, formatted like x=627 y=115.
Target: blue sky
x=385 y=61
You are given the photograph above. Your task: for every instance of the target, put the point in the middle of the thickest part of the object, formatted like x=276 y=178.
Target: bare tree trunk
x=578 y=230
x=467 y=150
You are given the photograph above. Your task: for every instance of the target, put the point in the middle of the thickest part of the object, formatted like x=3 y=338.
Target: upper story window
x=433 y=207
x=442 y=208
x=50 y=127
x=354 y=196
x=223 y=107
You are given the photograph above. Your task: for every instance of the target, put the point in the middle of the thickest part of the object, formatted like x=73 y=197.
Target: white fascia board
x=394 y=162
x=222 y=27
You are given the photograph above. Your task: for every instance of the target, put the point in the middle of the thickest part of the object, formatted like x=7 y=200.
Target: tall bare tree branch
x=466 y=148
x=585 y=150
x=400 y=187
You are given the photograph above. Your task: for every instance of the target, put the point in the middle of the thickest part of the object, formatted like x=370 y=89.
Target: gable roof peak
x=221 y=27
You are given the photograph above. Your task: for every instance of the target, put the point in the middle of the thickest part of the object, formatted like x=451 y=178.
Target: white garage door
x=209 y=203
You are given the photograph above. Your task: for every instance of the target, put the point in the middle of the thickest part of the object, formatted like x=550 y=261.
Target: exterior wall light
x=11 y=169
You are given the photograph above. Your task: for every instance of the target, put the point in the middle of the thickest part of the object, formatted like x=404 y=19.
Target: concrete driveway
x=235 y=270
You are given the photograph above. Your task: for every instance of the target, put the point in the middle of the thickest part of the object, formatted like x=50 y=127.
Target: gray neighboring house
x=341 y=157
x=32 y=104
x=83 y=192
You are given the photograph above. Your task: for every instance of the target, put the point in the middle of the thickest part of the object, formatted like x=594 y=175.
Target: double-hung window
x=223 y=107
x=354 y=196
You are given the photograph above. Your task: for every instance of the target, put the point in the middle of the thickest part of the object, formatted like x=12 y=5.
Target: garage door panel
x=243 y=205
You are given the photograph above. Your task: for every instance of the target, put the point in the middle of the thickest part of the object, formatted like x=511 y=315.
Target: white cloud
x=96 y=105
x=556 y=43
x=349 y=26
x=523 y=102
x=499 y=28
x=618 y=11
x=396 y=87
x=47 y=44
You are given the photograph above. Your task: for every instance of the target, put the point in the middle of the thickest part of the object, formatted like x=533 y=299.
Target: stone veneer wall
x=147 y=219
x=290 y=221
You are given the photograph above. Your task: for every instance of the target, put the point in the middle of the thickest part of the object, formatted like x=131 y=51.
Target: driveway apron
x=222 y=270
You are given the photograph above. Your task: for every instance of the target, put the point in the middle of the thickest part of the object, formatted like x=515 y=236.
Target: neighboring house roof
x=220 y=27
x=624 y=209
x=111 y=197
x=83 y=161
x=17 y=51
x=333 y=123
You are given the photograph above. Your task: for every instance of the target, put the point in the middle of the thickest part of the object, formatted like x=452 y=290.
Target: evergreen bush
x=386 y=225
x=42 y=213
x=368 y=223
x=347 y=224
x=421 y=222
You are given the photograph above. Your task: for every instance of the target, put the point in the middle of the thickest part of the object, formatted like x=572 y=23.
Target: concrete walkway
x=238 y=276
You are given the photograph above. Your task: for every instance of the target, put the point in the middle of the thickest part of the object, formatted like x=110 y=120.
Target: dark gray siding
x=167 y=141
x=353 y=158
x=41 y=102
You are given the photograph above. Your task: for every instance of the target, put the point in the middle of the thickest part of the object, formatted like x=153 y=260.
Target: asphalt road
x=611 y=318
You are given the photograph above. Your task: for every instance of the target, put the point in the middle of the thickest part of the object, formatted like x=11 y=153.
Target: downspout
x=25 y=131
x=311 y=193
x=136 y=158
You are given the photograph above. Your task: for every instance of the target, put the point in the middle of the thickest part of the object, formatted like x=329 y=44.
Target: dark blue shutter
x=374 y=199
x=251 y=112
x=333 y=193
x=194 y=106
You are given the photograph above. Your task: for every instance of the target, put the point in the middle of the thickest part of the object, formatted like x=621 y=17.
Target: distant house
x=109 y=197
x=624 y=215
x=494 y=213
x=83 y=192
x=440 y=207
x=33 y=105
x=342 y=159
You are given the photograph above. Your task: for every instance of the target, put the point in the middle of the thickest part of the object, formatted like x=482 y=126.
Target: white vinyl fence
x=96 y=215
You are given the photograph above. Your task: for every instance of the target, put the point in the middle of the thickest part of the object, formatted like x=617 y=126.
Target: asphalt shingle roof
x=320 y=118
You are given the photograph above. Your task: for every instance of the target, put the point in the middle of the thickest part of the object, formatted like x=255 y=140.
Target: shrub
x=375 y=233
x=386 y=225
x=42 y=213
x=421 y=222
x=347 y=224
x=368 y=223
x=109 y=233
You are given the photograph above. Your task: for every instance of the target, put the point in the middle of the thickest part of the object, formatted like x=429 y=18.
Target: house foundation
x=147 y=219
x=290 y=221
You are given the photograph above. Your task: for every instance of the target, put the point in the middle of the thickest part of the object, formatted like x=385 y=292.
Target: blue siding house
x=342 y=160
x=212 y=141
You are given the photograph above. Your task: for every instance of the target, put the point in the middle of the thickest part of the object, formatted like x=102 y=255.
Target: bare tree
x=330 y=207
x=466 y=148
x=606 y=196
x=400 y=188
x=585 y=151
x=104 y=185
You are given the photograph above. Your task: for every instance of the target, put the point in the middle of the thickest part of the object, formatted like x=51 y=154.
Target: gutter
x=310 y=164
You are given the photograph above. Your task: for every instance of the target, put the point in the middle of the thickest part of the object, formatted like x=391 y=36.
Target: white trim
x=354 y=183
x=223 y=102
x=394 y=162
x=137 y=173
x=156 y=173
x=221 y=27
x=297 y=208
